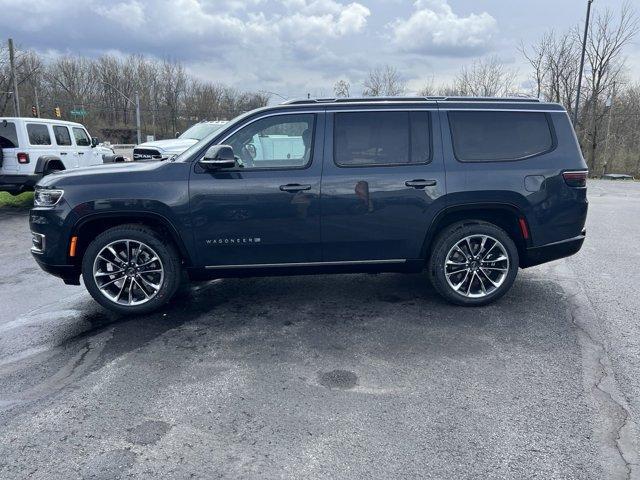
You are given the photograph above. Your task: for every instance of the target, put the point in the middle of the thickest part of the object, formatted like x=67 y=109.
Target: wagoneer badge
x=233 y=241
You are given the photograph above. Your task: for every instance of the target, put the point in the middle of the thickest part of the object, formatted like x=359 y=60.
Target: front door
x=266 y=210
x=383 y=182
x=83 y=147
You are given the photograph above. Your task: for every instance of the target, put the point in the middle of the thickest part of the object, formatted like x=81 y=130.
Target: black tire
x=446 y=241
x=162 y=247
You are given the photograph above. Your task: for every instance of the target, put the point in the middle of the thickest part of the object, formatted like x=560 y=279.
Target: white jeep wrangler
x=33 y=147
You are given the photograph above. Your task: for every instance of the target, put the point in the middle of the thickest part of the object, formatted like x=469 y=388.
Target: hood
x=173 y=145
x=93 y=173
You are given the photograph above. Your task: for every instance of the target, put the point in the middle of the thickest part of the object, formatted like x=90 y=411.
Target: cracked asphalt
x=350 y=376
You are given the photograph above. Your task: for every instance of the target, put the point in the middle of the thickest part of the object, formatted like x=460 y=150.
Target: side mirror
x=218 y=156
x=94 y=142
x=177 y=134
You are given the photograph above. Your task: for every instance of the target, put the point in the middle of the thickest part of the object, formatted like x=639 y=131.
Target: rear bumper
x=18 y=183
x=552 y=251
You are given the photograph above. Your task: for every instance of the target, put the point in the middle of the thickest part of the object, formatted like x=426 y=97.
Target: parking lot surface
x=351 y=376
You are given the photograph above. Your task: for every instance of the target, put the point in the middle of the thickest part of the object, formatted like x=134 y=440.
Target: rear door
x=66 y=149
x=267 y=210
x=383 y=182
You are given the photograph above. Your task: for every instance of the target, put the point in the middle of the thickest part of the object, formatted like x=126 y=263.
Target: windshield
x=201 y=130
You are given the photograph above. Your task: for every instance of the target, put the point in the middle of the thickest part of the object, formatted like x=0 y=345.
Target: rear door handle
x=420 y=183
x=80 y=153
x=294 y=187
x=63 y=153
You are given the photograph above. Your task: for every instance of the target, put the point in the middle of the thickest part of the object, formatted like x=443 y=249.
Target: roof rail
x=310 y=101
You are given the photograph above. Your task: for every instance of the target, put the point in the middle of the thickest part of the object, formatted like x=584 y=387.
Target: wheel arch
x=89 y=227
x=45 y=162
x=504 y=215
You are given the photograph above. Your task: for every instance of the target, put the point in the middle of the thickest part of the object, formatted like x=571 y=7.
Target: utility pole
x=584 y=47
x=35 y=92
x=12 y=61
x=138 y=117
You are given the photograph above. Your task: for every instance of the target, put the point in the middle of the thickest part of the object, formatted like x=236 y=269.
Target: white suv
x=33 y=147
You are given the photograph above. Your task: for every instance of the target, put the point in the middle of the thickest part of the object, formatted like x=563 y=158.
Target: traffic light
x=34 y=111
x=56 y=112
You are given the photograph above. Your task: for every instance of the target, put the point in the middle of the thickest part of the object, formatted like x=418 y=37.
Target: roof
x=57 y=121
x=410 y=99
x=483 y=103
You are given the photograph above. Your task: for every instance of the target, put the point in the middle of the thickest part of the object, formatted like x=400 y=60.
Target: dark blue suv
x=470 y=189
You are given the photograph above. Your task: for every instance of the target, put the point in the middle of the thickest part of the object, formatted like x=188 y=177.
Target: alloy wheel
x=476 y=266
x=128 y=272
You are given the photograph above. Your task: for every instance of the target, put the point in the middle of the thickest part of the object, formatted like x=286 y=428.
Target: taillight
x=23 y=157
x=575 y=179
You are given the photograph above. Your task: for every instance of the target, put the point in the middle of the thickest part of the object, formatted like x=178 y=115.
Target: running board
x=307 y=264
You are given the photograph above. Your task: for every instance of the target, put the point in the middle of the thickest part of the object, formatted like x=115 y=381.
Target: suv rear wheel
x=131 y=269
x=473 y=263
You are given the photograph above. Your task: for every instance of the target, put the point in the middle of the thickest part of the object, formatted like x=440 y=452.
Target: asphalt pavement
x=347 y=376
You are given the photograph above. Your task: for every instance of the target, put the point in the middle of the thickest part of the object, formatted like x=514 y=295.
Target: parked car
x=468 y=189
x=33 y=147
x=163 y=149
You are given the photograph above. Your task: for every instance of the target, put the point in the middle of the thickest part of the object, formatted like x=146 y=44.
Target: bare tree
x=605 y=45
x=486 y=78
x=341 y=89
x=384 y=81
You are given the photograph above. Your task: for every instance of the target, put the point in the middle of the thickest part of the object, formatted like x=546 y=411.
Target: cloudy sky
x=292 y=47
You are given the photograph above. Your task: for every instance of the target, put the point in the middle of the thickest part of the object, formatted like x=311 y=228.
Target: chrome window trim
x=307 y=264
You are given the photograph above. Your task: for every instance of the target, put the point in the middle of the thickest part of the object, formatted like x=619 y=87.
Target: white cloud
x=435 y=29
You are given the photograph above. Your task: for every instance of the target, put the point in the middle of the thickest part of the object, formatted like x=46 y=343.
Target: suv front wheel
x=473 y=263
x=130 y=269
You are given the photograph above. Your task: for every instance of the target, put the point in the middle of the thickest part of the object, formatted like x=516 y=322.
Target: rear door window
x=38 y=134
x=381 y=138
x=499 y=136
x=82 y=139
x=63 y=138
x=8 y=135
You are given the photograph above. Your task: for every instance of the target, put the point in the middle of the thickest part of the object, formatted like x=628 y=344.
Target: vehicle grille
x=146 y=154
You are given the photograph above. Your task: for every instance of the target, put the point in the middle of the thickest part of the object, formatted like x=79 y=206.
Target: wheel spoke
x=148 y=262
x=457 y=271
x=108 y=274
x=501 y=258
x=155 y=286
x=457 y=287
x=111 y=282
x=489 y=278
x=484 y=290
x=146 y=295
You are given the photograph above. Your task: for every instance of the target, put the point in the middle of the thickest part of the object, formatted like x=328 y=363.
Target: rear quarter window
x=8 y=135
x=38 y=134
x=499 y=136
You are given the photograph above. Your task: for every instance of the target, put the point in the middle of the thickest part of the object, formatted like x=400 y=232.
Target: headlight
x=46 y=198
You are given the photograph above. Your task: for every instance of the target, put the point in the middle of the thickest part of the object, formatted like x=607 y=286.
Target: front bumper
x=18 y=183
x=552 y=251
x=70 y=274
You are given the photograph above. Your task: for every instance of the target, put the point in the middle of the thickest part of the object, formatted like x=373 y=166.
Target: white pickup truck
x=162 y=149
x=33 y=147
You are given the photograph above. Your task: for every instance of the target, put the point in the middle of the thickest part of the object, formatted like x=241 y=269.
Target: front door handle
x=294 y=187
x=420 y=183
x=63 y=153
x=80 y=153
